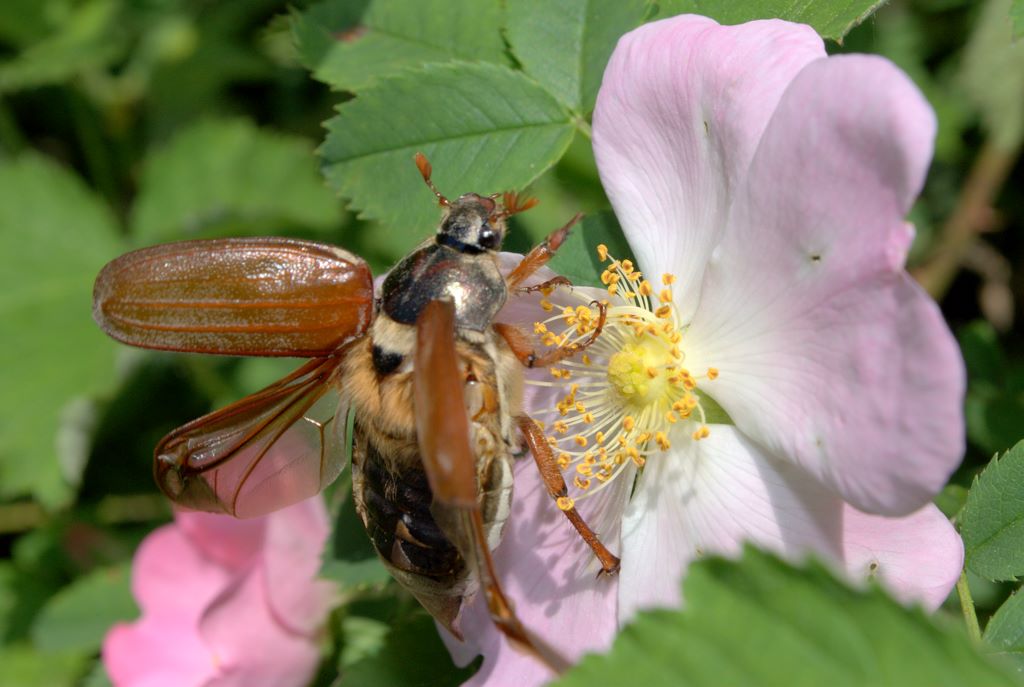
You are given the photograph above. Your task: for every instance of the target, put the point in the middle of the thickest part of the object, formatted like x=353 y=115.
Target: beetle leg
x=539 y=256
x=545 y=285
x=555 y=484
x=522 y=344
x=442 y=428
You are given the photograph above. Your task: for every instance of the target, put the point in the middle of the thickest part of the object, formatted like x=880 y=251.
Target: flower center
x=629 y=395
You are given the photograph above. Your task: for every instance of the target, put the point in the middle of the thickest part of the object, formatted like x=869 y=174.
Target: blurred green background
x=125 y=123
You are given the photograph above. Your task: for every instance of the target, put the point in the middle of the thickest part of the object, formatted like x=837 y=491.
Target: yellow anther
x=606 y=277
x=701 y=433
x=712 y=372
x=662 y=440
x=635 y=276
x=599 y=438
x=585 y=469
x=588 y=418
x=628 y=423
x=564 y=460
x=671 y=417
x=668 y=279
x=613 y=289
x=602 y=251
x=580 y=440
x=539 y=328
x=651 y=372
x=665 y=296
x=586 y=359
x=583 y=484
x=627 y=266
x=664 y=311
x=565 y=503
x=642 y=439
x=546 y=305
x=560 y=427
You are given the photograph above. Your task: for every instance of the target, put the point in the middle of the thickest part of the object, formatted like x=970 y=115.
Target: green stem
x=583 y=126
x=963 y=590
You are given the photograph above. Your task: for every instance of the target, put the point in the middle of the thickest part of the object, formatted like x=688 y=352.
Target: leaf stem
x=971 y=216
x=963 y=591
x=583 y=126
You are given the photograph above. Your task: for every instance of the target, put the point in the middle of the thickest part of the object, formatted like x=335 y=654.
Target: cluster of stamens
x=629 y=394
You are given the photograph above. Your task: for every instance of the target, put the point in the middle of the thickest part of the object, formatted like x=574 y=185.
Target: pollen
x=565 y=503
x=630 y=397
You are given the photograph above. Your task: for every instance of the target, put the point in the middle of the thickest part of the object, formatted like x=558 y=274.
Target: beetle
x=433 y=382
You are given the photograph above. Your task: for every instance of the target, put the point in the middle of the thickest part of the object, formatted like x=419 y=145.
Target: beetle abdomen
x=398 y=519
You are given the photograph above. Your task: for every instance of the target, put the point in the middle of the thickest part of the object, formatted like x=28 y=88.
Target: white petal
x=708 y=497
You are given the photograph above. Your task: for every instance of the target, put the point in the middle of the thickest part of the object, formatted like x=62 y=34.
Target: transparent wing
x=267 y=451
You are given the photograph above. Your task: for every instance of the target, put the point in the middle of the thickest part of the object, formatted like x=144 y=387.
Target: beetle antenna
x=423 y=164
x=514 y=203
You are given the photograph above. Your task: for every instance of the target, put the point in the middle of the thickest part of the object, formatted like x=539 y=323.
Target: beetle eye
x=488 y=238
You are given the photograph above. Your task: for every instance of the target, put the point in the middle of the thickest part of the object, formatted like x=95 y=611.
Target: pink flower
x=780 y=377
x=226 y=602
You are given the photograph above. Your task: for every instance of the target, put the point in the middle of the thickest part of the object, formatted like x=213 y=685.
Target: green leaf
x=1005 y=630
x=566 y=45
x=85 y=39
x=577 y=259
x=97 y=677
x=484 y=127
x=412 y=656
x=23 y=666
x=395 y=34
x=992 y=524
x=992 y=75
x=317 y=30
x=230 y=177
x=77 y=617
x=1017 y=17
x=23 y=22
x=761 y=622
x=985 y=359
x=832 y=19
x=57 y=235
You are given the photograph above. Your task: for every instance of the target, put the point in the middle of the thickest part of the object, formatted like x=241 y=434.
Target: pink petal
x=249 y=645
x=917 y=557
x=172 y=583
x=682 y=106
x=157 y=652
x=228 y=541
x=551 y=575
x=709 y=497
x=294 y=544
x=171 y=578
x=828 y=353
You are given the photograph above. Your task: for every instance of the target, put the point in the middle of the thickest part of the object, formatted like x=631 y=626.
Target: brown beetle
x=434 y=384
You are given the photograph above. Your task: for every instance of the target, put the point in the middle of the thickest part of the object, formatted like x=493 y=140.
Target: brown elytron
x=434 y=385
